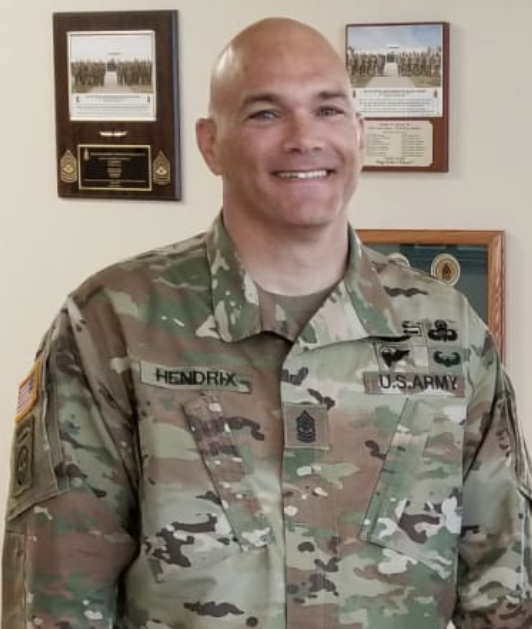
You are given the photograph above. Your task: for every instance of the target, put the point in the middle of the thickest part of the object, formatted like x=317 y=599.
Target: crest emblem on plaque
x=446 y=268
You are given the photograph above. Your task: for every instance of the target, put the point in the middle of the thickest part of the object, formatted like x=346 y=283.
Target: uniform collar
x=357 y=307
x=234 y=293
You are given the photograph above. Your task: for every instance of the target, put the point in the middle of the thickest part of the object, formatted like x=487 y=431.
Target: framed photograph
x=117 y=104
x=399 y=75
x=473 y=261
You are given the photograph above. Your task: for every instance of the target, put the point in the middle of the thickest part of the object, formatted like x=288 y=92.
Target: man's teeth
x=308 y=174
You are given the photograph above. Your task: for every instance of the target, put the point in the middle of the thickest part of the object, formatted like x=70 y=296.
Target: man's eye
x=331 y=111
x=263 y=114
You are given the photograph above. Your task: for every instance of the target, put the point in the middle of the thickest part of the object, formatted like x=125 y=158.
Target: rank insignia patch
x=28 y=392
x=306 y=426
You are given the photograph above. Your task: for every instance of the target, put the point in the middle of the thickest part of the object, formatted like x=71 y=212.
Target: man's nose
x=302 y=134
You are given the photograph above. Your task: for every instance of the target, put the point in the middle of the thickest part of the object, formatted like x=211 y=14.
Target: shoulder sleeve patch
x=28 y=392
x=22 y=466
x=36 y=452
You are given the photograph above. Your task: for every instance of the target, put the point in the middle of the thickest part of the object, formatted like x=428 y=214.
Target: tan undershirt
x=299 y=308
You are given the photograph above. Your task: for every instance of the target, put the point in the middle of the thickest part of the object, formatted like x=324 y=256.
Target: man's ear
x=206 y=141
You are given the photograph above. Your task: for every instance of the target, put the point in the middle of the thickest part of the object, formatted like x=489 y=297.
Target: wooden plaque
x=399 y=75
x=117 y=104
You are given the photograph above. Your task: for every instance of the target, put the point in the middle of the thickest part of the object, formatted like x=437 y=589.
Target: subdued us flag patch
x=22 y=460
x=28 y=392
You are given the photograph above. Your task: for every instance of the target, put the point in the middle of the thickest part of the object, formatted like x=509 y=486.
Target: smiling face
x=282 y=134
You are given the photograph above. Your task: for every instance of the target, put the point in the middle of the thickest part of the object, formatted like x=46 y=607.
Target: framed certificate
x=473 y=261
x=117 y=104
x=399 y=75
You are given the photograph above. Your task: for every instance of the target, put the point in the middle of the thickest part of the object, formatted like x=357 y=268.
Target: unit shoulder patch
x=22 y=464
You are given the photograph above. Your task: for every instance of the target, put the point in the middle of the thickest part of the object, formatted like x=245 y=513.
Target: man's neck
x=294 y=262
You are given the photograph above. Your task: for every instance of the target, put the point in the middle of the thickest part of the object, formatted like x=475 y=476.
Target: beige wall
x=48 y=245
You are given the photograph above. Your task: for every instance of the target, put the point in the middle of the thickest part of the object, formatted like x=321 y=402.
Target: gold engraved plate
x=115 y=167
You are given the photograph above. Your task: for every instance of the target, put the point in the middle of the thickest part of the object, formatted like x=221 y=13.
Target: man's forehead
x=284 y=70
x=317 y=94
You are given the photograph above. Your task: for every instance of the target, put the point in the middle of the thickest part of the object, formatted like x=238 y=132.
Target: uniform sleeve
x=494 y=575
x=71 y=513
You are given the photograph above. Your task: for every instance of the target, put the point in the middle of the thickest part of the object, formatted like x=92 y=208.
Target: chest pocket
x=416 y=508
x=224 y=458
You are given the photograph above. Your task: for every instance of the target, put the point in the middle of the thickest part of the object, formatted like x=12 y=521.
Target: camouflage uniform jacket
x=184 y=458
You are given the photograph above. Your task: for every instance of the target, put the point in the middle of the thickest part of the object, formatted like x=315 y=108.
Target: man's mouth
x=303 y=174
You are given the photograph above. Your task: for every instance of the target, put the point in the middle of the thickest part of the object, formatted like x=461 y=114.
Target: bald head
x=282 y=132
x=281 y=42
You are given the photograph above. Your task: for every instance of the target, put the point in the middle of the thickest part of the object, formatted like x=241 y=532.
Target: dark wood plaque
x=117 y=104
x=399 y=75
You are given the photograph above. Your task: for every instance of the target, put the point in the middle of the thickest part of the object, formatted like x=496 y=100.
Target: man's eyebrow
x=260 y=97
x=273 y=98
x=333 y=95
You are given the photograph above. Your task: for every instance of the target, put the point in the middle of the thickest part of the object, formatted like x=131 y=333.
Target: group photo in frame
x=472 y=261
x=117 y=104
x=399 y=74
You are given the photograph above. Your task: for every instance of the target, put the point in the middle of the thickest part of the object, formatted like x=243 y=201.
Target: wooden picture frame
x=399 y=75
x=473 y=261
x=117 y=104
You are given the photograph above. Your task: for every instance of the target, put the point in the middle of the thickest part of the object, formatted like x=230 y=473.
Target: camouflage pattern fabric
x=184 y=459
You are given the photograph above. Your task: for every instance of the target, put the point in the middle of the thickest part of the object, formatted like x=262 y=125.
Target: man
x=269 y=425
